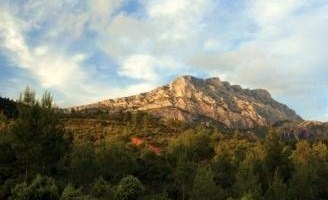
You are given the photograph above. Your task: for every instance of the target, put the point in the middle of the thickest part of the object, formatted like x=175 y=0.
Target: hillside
x=8 y=107
x=191 y=99
x=46 y=154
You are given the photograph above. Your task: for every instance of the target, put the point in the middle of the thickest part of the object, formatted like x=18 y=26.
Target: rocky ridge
x=192 y=99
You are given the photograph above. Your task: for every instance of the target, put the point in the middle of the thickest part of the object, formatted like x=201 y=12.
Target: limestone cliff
x=193 y=99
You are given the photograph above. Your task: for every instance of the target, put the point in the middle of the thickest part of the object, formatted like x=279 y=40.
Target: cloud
x=177 y=21
x=183 y=9
x=51 y=69
x=139 y=67
x=147 y=67
x=267 y=13
x=287 y=55
x=276 y=45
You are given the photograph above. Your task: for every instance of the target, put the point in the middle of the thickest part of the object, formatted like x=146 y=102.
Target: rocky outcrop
x=302 y=130
x=193 y=99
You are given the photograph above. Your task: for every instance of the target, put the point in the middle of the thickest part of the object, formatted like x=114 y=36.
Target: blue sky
x=84 y=51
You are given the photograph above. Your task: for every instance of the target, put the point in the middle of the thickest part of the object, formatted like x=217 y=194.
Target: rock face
x=193 y=99
x=302 y=130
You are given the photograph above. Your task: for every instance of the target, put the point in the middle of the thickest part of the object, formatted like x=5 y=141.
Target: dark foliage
x=129 y=156
x=8 y=107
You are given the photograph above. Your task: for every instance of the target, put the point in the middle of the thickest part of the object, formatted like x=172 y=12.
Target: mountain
x=304 y=129
x=192 y=99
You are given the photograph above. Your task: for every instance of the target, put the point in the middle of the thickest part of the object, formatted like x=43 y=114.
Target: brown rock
x=193 y=99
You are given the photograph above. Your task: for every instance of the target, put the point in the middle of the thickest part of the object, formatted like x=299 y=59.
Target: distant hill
x=190 y=99
x=8 y=107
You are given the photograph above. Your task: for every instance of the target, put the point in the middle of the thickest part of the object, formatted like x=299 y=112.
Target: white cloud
x=167 y=8
x=51 y=69
x=137 y=89
x=177 y=20
x=182 y=9
x=146 y=67
x=11 y=37
x=267 y=13
x=139 y=67
x=69 y=18
x=287 y=56
x=278 y=45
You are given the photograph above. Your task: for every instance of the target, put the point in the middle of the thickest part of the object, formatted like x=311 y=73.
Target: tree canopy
x=44 y=156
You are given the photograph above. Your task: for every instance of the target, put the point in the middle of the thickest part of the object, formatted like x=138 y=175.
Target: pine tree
x=71 y=193
x=204 y=186
x=114 y=161
x=37 y=135
x=320 y=162
x=247 y=179
x=42 y=187
x=301 y=185
x=277 y=188
x=102 y=190
x=82 y=165
x=183 y=175
x=273 y=148
x=7 y=155
x=129 y=188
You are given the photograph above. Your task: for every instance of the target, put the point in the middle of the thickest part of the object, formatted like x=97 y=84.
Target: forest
x=42 y=159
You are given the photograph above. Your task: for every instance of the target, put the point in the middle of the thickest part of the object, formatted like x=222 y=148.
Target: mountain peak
x=186 y=77
x=185 y=80
x=190 y=78
x=192 y=99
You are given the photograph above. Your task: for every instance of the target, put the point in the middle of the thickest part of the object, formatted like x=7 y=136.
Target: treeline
x=8 y=107
x=40 y=160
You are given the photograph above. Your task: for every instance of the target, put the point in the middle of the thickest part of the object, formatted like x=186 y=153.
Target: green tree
x=37 y=135
x=248 y=196
x=82 y=168
x=247 y=178
x=152 y=169
x=276 y=157
x=27 y=97
x=6 y=187
x=21 y=192
x=7 y=155
x=277 y=188
x=114 y=161
x=273 y=150
x=320 y=162
x=102 y=189
x=8 y=107
x=129 y=188
x=71 y=193
x=229 y=153
x=41 y=188
x=183 y=175
x=157 y=196
x=191 y=146
x=301 y=185
x=204 y=186
x=47 y=101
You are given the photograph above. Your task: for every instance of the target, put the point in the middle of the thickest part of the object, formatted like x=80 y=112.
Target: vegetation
x=45 y=154
x=8 y=107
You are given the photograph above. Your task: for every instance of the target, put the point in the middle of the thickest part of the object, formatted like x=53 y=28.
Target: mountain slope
x=193 y=99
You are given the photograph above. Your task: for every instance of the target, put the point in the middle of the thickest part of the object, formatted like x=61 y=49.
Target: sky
x=85 y=51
